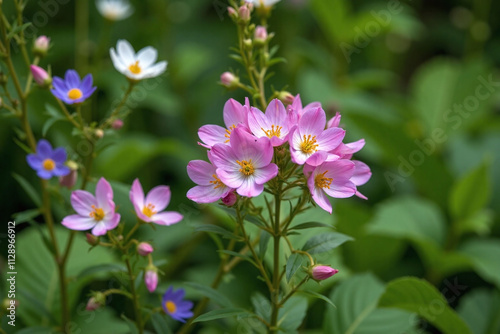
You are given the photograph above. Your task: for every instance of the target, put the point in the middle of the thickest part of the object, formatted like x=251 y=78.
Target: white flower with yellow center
x=136 y=66
x=114 y=10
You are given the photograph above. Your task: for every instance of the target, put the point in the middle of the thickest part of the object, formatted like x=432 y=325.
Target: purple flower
x=320 y=273
x=93 y=212
x=333 y=179
x=149 y=208
x=175 y=306
x=234 y=114
x=48 y=162
x=72 y=90
x=209 y=187
x=310 y=142
x=245 y=164
x=274 y=124
x=151 y=278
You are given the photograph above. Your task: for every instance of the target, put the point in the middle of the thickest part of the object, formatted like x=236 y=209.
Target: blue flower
x=174 y=306
x=48 y=162
x=72 y=90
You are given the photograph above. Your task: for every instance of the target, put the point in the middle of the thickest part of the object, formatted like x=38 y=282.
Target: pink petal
x=247 y=146
x=159 y=197
x=82 y=202
x=212 y=134
x=258 y=121
x=312 y=122
x=317 y=158
x=341 y=188
x=362 y=173
x=355 y=146
x=334 y=121
x=223 y=157
x=330 y=139
x=320 y=198
x=166 y=218
x=276 y=113
x=264 y=174
x=249 y=188
x=200 y=172
x=360 y=195
x=206 y=194
x=136 y=195
x=99 y=229
x=112 y=222
x=78 y=223
x=104 y=195
x=232 y=179
x=338 y=169
x=234 y=113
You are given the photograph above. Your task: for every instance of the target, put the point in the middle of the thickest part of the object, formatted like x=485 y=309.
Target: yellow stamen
x=228 y=132
x=97 y=214
x=216 y=182
x=149 y=210
x=246 y=167
x=171 y=307
x=135 y=68
x=309 y=145
x=48 y=164
x=75 y=94
x=274 y=131
x=320 y=181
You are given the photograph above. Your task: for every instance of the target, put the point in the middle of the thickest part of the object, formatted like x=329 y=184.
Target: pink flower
x=320 y=273
x=234 y=114
x=245 y=164
x=334 y=122
x=297 y=110
x=94 y=212
x=274 y=124
x=310 y=142
x=41 y=77
x=151 y=278
x=149 y=208
x=144 y=249
x=210 y=188
x=230 y=199
x=117 y=124
x=260 y=34
x=362 y=174
x=332 y=179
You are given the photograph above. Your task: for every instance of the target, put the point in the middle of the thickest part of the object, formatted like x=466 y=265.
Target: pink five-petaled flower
x=148 y=209
x=210 y=188
x=310 y=142
x=94 y=212
x=333 y=179
x=234 y=114
x=245 y=164
x=320 y=273
x=274 y=124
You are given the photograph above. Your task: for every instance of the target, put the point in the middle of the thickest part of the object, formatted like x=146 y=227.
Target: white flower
x=265 y=3
x=114 y=10
x=136 y=66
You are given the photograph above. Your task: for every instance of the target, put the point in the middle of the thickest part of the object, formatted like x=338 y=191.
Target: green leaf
x=210 y=293
x=17 y=29
x=35 y=330
x=235 y=254
x=48 y=123
x=418 y=296
x=317 y=295
x=484 y=254
x=291 y=315
x=325 y=242
x=25 y=216
x=131 y=325
x=29 y=189
x=471 y=193
x=221 y=313
x=216 y=229
x=102 y=268
x=356 y=312
x=160 y=323
x=263 y=243
x=309 y=225
x=293 y=264
x=480 y=309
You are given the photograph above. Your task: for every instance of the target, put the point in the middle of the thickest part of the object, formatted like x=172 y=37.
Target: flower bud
x=69 y=180
x=41 y=77
x=98 y=133
x=143 y=249
x=117 y=124
x=232 y=13
x=286 y=97
x=260 y=35
x=244 y=13
x=92 y=240
x=229 y=199
x=229 y=80
x=96 y=301
x=151 y=278
x=320 y=273
x=41 y=46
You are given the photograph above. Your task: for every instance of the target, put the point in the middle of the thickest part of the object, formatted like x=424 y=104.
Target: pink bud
x=260 y=34
x=69 y=180
x=229 y=80
x=41 y=46
x=232 y=12
x=144 y=249
x=244 y=12
x=320 y=273
x=92 y=304
x=230 y=199
x=334 y=121
x=286 y=97
x=117 y=124
x=41 y=77
x=151 y=278
x=92 y=240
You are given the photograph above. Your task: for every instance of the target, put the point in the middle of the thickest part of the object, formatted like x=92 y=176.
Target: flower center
x=228 y=132
x=217 y=182
x=246 y=167
x=308 y=144
x=274 y=131
x=75 y=94
x=323 y=182
x=149 y=210
x=97 y=214
x=171 y=307
x=48 y=164
x=135 y=68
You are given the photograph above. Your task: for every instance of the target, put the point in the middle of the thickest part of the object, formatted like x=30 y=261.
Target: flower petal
x=362 y=173
x=232 y=179
x=312 y=122
x=201 y=172
x=264 y=174
x=212 y=134
x=167 y=218
x=82 y=202
x=206 y=194
x=99 y=229
x=136 y=196
x=317 y=158
x=341 y=188
x=159 y=196
x=117 y=61
x=257 y=122
x=125 y=51
x=249 y=188
x=44 y=149
x=34 y=161
x=59 y=155
x=223 y=157
x=234 y=113
x=72 y=79
x=276 y=113
x=248 y=147
x=147 y=56
x=61 y=170
x=78 y=223
x=330 y=139
x=104 y=195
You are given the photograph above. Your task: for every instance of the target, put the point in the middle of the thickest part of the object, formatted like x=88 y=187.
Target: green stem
x=275 y=291
x=295 y=289
x=116 y=111
x=135 y=297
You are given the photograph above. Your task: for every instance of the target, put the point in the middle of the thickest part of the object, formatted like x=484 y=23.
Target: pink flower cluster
x=241 y=153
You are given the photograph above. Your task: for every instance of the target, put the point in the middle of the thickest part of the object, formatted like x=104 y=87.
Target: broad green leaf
x=160 y=323
x=484 y=254
x=101 y=321
x=480 y=309
x=357 y=313
x=418 y=296
x=479 y=223
x=210 y=293
x=102 y=268
x=48 y=124
x=131 y=325
x=221 y=313
x=325 y=242
x=471 y=193
x=291 y=315
x=294 y=263
x=32 y=193
x=317 y=295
